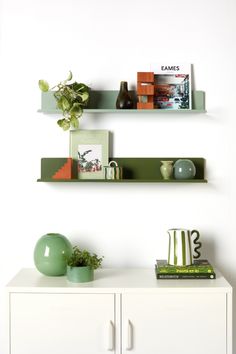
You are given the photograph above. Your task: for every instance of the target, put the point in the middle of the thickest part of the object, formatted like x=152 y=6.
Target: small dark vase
x=124 y=100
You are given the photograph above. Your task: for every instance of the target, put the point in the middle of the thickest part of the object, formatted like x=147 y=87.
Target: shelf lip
x=130 y=111
x=48 y=180
x=104 y=101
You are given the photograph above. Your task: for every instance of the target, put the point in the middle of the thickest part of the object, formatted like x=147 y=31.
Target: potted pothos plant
x=71 y=99
x=81 y=265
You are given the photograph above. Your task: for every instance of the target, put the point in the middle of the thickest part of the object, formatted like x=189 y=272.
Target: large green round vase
x=50 y=254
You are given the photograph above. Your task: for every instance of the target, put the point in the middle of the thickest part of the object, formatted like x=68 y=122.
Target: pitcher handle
x=197 y=244
x=113 y=162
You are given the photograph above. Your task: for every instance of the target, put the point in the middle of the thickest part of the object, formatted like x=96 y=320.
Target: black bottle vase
x=124 y=100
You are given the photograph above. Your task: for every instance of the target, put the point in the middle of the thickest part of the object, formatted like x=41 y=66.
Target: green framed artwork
x=90 y=150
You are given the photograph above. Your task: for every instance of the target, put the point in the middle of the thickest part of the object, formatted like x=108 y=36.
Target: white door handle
x=111 y=336
x=129 y=336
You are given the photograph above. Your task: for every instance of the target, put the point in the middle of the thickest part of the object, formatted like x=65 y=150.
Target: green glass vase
x=50 y=254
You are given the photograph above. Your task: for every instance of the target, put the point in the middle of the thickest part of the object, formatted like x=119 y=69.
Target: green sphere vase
x=184 y=169
x=50 y=254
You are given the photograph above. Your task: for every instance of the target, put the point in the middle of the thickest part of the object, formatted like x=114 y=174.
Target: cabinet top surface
x=110 y=280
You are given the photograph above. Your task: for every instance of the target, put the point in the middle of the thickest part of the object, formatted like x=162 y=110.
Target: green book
x=200 y=266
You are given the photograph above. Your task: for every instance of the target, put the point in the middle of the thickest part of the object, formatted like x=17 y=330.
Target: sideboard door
x=179 y=323
x=61 y=323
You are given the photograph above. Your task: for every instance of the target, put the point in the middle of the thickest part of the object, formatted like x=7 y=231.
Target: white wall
x=104 y=42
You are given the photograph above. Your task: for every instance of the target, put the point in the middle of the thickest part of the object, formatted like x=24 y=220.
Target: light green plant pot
x=80 y=274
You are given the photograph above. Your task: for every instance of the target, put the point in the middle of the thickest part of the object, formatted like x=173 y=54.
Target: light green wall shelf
x=104 y=102
x=135 y=170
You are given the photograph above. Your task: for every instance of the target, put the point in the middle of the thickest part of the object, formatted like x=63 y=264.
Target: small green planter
x=80 y=274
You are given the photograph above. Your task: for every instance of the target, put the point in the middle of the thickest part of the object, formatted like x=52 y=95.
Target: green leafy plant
x=83 y=258
x=71 y=99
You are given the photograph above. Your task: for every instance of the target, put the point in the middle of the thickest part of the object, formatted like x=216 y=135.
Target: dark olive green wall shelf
x=135 y=170
x=105 y=102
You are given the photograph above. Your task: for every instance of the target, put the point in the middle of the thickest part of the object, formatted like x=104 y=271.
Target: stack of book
x=201 y=269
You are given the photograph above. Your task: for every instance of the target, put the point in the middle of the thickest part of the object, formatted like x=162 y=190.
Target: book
x=186 y=276
x=172 y=86
x=199 y=266
x=201 y=269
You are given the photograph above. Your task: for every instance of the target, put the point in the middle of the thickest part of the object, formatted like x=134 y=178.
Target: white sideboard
x=121 y=311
